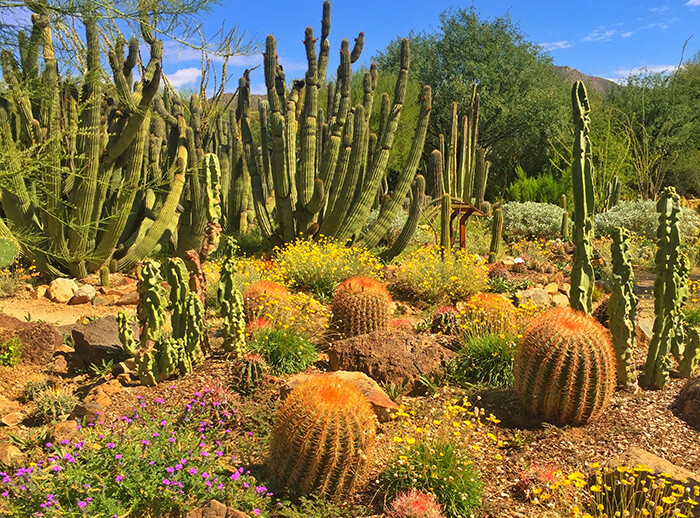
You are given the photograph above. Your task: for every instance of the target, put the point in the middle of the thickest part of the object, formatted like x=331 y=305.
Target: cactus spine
x=582 y=275
x=496 y=232
x=231 y=310
x=622 y=310
x=564 y=220
x=323 y=436
x=565 y=367
x=670 y=293
x=360 y=305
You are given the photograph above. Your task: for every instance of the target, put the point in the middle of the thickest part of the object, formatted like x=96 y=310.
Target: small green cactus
x=564 y=220
x=496 y=233
x=249 y=371
x=232 y=311
x=691 y=356
x=622 y=309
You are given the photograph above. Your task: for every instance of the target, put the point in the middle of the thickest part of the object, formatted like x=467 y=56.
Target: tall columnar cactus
x=232 y=312
x=670 y=293
x=445 y=228
x=564 y=220
x=435 y=173
x=71 y=212
x=612 y=193
x=565 y=367
x=582 y=275
x=159 y=356
x=481 y=174
x=496 y=233
x=323 y=439
x=414 y=211
x=622 y=310
x=326 y=166
x=360 y=305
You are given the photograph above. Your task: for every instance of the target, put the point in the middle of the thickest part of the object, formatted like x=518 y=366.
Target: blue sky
x=606 y=38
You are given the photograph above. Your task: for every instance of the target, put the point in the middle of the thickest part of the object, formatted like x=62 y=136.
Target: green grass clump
x=437 y=467
x=286 y=351
x=54 y=403
x=486 y=359
x=10 y=352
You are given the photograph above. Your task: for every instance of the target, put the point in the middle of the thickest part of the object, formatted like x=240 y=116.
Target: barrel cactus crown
x=360 y=305
x=323 y=436
x=565 y=369
x=259 y=294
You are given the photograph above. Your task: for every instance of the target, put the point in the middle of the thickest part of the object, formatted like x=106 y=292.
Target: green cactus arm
x=306 y=169
x=445 y=229
x=325 y=46
x=496 y=234
x=126 y=334
x=152 y=303
x=582 y=275
x=409 y=229
x=340 y=170
x=455 y=181
x=379 y=227
x=90 y=147
x=334 y=219
x=256 y=180
x=139 y=250
x=178 y=277
x=357 y=216
x=691 y=357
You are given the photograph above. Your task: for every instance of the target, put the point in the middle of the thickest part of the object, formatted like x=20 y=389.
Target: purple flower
x=235 y=475
x=82 y=504
x=193 y=471
x=119 y=478
x=56 y=468
x=260 y=489
x=166 y=482
x=146 y=442
x=256 y=511
x=110 y=445
x=118 y=456
x=170 y=469
x=172 y=439
x=163 y=422
x=49 y=445
x=204 y=454
x=205 y=475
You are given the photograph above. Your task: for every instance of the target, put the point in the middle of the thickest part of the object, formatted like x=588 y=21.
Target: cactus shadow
x=504 y=404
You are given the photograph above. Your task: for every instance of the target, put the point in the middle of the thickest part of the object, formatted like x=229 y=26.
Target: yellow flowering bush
x=319 y=266
x=424 y=275
x=632 y=492
x=248 y=271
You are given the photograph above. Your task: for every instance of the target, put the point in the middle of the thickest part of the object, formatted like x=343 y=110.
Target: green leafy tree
x=523 y=102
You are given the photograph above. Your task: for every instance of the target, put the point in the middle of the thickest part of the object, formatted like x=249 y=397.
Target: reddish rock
x=215 y=509
x=64 y=431
x=104 y=300
x=390 y=356
x=688 y=402
x=61 y=290
x=12 y=419
x=39 y=339
x=9 y=454
x=128 y=299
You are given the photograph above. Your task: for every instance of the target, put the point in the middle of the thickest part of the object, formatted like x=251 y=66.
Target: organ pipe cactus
x=417 y=196
x=445 y=229
x=496 y=233
x=325 y=166
x=670 y=293
x=622 y=310
x=69 y=209
x=582 y=275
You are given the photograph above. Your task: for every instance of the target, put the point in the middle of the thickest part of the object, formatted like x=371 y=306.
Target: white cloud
x=623 y=73
x=627 y=34
x=662 y=9
x=693 y=3
x=554 y=45
x=184 y=76
x=600 y=34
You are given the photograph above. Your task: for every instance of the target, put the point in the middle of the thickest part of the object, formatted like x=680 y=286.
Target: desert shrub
x=161 y=460
x=319 y=266
x=54 y=403
x=414 y=504
x=438 y=467
x=486 y=313
x=485 y=359
x=542 y=189
x=640 y=218
x=312 y=507
x=285 y=350
x=297 y=311
x=35 y=386
x=423 y=275
x=10 y=352
x=529 y=219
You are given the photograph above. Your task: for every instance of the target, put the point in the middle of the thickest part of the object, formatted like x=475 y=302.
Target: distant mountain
x=597 y=84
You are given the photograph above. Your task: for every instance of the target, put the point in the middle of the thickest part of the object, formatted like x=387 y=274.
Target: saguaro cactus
x=326 y=167
x=670 y=293
x=496 y=232
x=622 y=309
x=582 y=275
